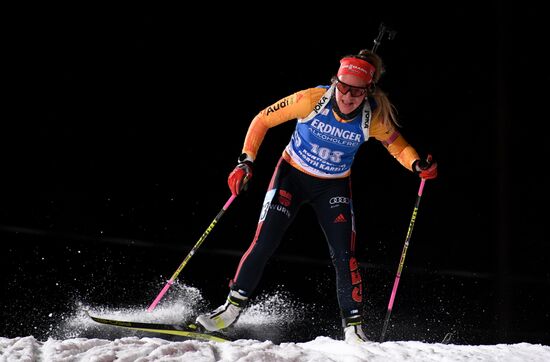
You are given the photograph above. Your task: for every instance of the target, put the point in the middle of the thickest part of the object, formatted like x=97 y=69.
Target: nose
x=348 y=97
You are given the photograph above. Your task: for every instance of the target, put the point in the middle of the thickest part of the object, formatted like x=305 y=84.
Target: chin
x=347 y=110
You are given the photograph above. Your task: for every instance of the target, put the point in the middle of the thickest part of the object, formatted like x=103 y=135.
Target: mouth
x=347 y=103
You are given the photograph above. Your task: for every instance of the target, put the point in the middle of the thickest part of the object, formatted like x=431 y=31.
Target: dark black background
x=121 y=125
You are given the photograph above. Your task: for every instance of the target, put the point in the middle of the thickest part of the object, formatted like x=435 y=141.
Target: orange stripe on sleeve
x=395 y=143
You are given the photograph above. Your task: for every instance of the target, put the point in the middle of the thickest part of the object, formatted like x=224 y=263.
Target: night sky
x=121 y=126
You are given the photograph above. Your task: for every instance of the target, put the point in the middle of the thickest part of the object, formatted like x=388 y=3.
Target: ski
x=190 y=331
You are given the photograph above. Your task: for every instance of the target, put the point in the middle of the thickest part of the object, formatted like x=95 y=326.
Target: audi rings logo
x=339 y=200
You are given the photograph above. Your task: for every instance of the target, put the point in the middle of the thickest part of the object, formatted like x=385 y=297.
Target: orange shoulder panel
x=297 y=105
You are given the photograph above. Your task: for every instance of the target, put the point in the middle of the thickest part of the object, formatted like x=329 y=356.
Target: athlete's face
x=350 y=92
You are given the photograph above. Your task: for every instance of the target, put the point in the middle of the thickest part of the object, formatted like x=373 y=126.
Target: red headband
x=357 y=67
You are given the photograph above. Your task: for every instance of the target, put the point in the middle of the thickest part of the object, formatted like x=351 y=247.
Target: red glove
x=426 y=169
x=239 y=177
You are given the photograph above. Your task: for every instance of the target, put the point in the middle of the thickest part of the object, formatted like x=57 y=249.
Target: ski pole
x=402 y=260
x=193 y=250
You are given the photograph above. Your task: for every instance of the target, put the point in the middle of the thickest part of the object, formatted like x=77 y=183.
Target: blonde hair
x=385 y=109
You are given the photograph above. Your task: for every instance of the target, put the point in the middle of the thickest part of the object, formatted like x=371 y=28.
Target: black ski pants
x=288 y=190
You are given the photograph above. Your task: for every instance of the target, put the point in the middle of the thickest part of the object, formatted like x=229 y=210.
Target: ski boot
x=353 y=333
x=225 y=315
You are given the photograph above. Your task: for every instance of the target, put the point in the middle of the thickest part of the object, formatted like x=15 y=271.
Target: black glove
x=426 y=169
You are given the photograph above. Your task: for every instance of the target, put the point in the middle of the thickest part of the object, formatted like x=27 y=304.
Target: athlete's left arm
x=394 y=142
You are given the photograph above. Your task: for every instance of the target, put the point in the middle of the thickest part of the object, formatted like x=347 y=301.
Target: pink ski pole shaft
x=191 y=253
x=402 y=260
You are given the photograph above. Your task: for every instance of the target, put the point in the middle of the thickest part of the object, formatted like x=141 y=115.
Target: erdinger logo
x=338 y=200
x=322 y=130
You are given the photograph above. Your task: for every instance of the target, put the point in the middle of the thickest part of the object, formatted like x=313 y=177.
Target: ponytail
x=385 y=109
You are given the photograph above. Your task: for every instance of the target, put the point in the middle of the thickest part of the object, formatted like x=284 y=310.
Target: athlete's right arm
x=297 y=105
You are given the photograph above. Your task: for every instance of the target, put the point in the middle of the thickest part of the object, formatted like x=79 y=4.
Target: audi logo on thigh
x=338 y=200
